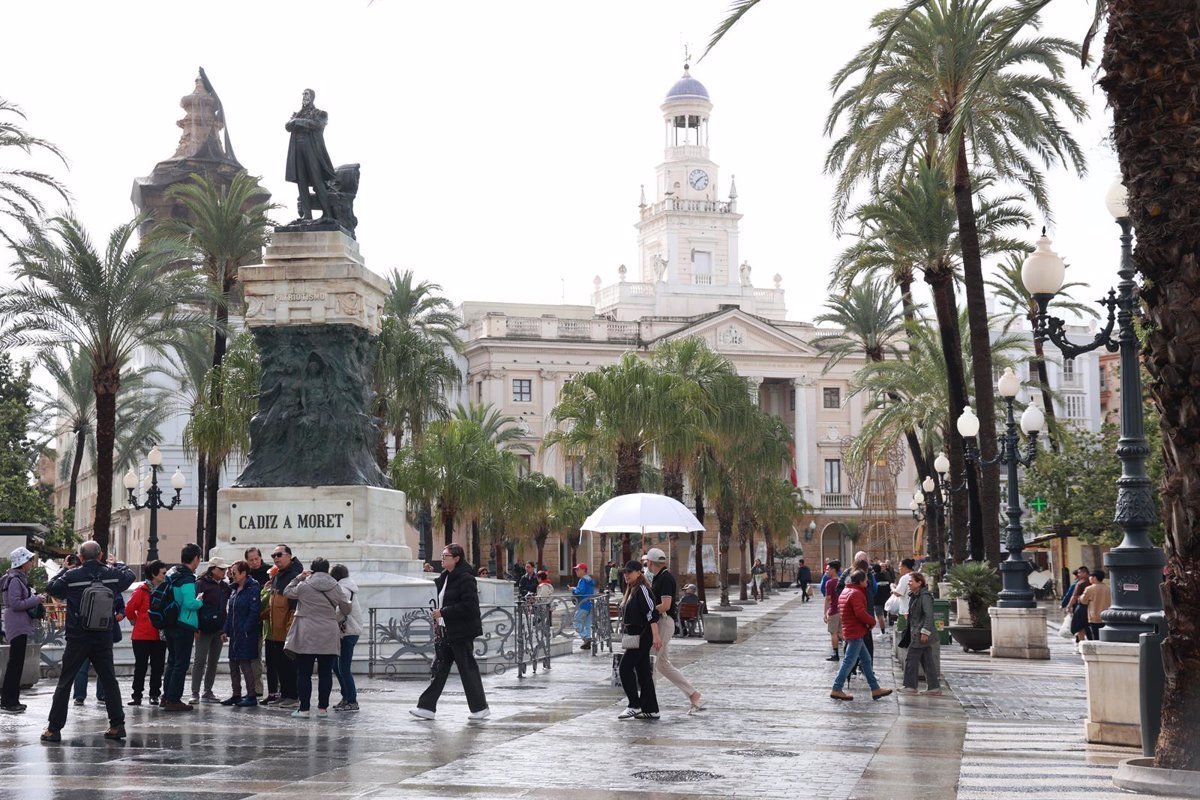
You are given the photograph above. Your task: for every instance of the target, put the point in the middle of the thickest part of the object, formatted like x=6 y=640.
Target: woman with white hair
x=21 y=608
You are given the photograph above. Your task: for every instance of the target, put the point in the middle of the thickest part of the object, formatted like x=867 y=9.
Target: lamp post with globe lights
x=941 y=465
x=1135 y=565
x=154 y=499
x=927 y=502
x=1015 y=570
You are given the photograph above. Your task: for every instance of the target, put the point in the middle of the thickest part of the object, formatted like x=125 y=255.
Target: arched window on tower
x=689 y=129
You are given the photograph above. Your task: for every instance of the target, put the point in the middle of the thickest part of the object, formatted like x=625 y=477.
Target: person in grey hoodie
x=19 y=603
x=352 y=628
x=315 y=637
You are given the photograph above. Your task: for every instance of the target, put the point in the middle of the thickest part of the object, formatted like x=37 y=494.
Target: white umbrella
x=642 y=513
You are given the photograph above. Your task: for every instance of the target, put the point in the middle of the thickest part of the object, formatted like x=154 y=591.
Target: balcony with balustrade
x=502 y=326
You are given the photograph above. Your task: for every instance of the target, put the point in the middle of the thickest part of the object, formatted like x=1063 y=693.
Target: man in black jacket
x=458 y=624
x=87 y=645
x=527 y=583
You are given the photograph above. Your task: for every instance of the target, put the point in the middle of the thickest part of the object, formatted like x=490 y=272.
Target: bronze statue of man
x=308 y=163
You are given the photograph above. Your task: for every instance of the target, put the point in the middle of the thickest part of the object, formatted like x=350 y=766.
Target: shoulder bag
x=631 y=641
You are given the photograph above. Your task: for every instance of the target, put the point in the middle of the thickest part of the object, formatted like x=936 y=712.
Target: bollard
x=1151 y=678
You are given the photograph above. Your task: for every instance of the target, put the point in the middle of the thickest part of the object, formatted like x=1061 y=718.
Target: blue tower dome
x=687 y=88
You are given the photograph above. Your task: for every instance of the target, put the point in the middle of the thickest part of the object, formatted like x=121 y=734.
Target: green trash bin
x=941 y=618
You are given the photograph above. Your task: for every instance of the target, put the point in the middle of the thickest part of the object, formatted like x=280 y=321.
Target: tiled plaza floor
x=770 y=731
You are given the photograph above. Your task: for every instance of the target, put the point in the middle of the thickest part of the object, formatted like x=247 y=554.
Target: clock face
x=698 y=178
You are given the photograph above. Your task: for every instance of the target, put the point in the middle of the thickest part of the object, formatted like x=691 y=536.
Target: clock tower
x=688 y=236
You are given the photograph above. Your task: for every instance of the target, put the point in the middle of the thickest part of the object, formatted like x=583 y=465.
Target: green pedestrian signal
x=1039 y=504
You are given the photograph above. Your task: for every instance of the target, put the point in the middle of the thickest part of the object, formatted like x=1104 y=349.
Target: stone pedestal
x=1019 y=633
x=1113 y=692
x=720 y=628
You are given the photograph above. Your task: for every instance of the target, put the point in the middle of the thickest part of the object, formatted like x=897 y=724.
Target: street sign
x=1039 y=504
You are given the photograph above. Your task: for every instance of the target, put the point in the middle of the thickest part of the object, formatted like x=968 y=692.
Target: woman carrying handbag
x=640 y=634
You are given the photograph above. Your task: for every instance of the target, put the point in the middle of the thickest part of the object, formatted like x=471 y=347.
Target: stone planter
x=971 y=638
x=32 y=670
x=1140 y=775
x=720 y=629
x=943 y=590
x=1114 y=714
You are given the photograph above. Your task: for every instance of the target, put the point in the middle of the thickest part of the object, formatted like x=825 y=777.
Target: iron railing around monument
x=524 y=635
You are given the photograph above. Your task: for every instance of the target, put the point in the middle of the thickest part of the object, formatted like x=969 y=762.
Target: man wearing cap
x=584 y=589
x=664 y=588
x=20 y=603
x=87 y=645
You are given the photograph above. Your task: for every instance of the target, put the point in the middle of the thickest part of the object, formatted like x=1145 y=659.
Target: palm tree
x=19 y=201
x=502 y=434
x=227 y=226
x=620 y=410
x=1008 y=288
x=106 y=305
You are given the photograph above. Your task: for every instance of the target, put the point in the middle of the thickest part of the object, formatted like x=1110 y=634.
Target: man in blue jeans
x=857 y=621
x=584 y=589
x=180 y=637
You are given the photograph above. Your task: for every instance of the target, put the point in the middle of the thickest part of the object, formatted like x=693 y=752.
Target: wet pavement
x=770 y=730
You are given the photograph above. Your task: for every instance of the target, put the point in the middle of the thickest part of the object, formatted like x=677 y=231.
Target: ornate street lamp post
x=153 y=497
x=941 y=465
x=926 y=496
x=1014 y=572
x=1135 y=565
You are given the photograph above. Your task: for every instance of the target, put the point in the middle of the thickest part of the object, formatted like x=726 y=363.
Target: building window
x=522 y=390
x=573 y=476
x=702 y=267
x=1070 y=376
x=1103 y=379
x=1074 y=406
x=833 y=475
x=833 y=397
x=479 y=391
x=524 y=464
x=791 y=399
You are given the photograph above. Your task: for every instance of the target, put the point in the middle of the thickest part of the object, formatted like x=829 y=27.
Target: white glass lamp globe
x=1116 y=200
x=1033 y=419
x=155 y=457
x=146 y=481
x=918 y=498
x=1009 y=383
x=912 y=505
x=941 y=464
x=177 y=480
x=1043 y=272
x=968 y=423
x=130 y=481
x=927 y=484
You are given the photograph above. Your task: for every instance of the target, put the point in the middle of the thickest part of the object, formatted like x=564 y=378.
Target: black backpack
x=96 y=607
x=162 y=608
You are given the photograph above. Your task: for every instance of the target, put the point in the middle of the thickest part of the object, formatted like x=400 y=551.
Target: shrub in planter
x=977 y=583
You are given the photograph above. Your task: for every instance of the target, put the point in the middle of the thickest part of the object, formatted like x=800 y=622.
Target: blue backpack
x=163 y=608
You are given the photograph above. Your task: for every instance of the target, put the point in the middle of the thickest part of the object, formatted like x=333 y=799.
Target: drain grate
x=762 y=753
x=676 y=775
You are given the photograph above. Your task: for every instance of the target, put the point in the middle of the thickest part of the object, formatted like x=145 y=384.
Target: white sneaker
x=478 y=715
x=629 y=713
x=421 y=713
x=298 y=714
x=647 y=715
x=322 y=712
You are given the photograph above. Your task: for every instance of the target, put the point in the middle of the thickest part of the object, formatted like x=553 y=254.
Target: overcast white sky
x=502 y=144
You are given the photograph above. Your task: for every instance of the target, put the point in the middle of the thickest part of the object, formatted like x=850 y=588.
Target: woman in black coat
x=457 y=623
x=639 y=622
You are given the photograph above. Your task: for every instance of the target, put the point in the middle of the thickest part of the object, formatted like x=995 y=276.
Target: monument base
x=363 y=527
x=1113 y=693
x=1019 y=633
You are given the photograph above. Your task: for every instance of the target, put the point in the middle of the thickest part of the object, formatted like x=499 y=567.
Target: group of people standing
x=1084 y=601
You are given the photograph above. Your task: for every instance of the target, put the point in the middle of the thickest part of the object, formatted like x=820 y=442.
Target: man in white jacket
x=352 y=628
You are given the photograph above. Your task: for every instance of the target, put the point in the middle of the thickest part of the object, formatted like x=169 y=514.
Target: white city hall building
x=690 y=280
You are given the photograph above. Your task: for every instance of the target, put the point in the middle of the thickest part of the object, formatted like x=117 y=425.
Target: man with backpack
x=173 y=611
x=88 y=590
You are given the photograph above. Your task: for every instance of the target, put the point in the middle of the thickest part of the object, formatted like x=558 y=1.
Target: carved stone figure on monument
x=309 y=167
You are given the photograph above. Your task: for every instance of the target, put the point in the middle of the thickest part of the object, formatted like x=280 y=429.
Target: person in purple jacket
x=19 y=603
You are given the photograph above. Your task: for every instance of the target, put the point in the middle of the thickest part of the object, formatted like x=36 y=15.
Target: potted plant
x=978 y=585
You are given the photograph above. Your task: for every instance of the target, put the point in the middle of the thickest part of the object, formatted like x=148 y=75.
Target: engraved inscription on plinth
x=312 y=520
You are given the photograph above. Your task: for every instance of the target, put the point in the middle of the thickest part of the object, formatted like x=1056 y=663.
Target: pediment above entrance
x=734 y=331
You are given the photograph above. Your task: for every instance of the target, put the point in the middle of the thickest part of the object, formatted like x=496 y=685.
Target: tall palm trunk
x=381 y=455
x=941 y=286
x=106 y=384
x=673 y=481
x=540 y=540
x=1150 y=75
x=447 y=526
x=1039 y=354
x=981 y=354
x=76 y=466
x=214 y=464
x=725 y=534
x=476 y=552
x=629 y=481
x=201 y=507
x=699 y=553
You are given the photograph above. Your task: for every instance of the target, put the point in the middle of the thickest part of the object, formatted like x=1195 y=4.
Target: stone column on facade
x=802 y=386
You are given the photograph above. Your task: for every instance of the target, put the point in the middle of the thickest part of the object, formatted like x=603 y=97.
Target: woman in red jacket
x=857 y=621
x=148 y=646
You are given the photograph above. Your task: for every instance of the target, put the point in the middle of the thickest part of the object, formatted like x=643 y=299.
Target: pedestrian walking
x=883 y=590
x=1097 y=598
x=278 y=612
x=831 y=613
x=897 y=604
x=857 y=622
x=922 y=635
x=182 y=636
x=241 y=631
x=614 y=576
x=149 y=649
x=314 y=638
x=758 y=576
x=21 y=608
x=260 y=571
x=351 y=627
x=803 y=578
x=584 y=590
x=639 y=627
x=87 y=590
x=213 y=592
x=457 y=623
x=663 y=588
x=1076 y=609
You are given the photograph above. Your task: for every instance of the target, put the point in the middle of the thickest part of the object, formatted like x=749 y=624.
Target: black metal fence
x=523 y=635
